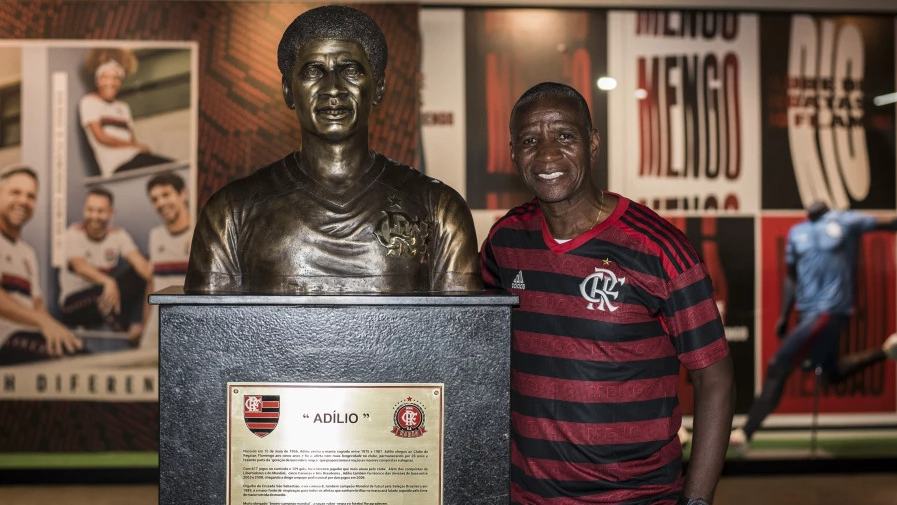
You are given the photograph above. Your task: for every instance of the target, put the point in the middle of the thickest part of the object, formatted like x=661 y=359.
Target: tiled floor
x=867 y=489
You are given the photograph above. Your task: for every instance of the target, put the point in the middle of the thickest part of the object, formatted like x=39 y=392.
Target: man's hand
x=110 y=299
x=59 y=339
x=781 y=327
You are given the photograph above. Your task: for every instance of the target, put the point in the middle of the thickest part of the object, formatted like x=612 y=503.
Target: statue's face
x=332 y=89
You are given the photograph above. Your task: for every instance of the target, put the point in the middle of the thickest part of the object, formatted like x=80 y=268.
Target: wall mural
x=729 y=124
x=203 y=99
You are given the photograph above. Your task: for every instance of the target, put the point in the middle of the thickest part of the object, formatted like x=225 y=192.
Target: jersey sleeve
x=73 y=241
x=692 y=319
x=214 y=265
x=125 y=242
x=453 y=259
x=35 y=276
x=88 y=109
x=489 y=267
x=858 y=222
x=790 y=253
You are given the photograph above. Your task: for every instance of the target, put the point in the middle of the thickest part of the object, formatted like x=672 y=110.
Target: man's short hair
x=334 y=22
x=166 y=179
x=11 y=170
x=100 y=191
x=547 y=89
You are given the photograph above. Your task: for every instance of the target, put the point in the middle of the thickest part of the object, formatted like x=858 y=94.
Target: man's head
x=553 y=89
x=18 y=196
x=168 y=194
x=553 y=145
x=98 y=212
x=333 y=60
x=333 y=22
x=816 y=210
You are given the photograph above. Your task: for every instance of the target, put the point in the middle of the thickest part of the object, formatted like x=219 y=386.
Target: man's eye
x=312 y=72
x=565 y=136
x=351 y=71
x=528 y=141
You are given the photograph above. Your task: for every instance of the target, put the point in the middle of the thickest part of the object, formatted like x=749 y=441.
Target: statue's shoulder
x=401 y=175
x=262 y=184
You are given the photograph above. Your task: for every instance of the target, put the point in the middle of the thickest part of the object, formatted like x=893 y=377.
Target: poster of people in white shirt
x=104 y=143
x=683 y=128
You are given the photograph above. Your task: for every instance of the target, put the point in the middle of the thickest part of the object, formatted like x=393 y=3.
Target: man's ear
x=288 y=93
x=594 y=145
x=378 y=90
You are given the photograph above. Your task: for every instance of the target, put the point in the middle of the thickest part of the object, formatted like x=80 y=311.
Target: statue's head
x=334 y=22
x=333 y=60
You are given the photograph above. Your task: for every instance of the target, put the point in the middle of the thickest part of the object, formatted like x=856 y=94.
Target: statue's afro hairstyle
x=333 y=22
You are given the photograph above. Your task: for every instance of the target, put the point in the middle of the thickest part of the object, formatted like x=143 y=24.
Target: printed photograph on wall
x=109 y=130
x=823 y=136
x=10 y=105
x=683 y=117
x=869 y=391
x=727 y=246
x=507 y=52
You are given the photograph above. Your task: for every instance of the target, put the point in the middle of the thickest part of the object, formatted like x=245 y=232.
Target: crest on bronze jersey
x=400 y=233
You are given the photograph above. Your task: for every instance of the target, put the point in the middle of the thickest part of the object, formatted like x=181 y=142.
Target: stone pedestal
x=206 y=341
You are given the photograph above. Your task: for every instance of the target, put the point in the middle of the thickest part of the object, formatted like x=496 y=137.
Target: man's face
x=18 y=195
x=553 y=149
x=108 y=84
x=97 y=214
x=168 y=202
x=332 y=88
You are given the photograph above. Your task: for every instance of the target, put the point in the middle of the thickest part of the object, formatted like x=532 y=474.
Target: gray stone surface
x=207 y=341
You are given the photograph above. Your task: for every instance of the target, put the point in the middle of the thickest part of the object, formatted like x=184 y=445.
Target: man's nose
x=548 y=151
x=333 y=83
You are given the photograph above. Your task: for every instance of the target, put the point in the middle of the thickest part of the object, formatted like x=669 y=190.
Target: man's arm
x=714 y=406
x=140 y=264
x=59 y=339
x=788 y=290
x=110 y=300
x=885 y=223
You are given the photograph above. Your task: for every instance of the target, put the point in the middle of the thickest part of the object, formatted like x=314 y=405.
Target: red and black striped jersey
x=604 y=321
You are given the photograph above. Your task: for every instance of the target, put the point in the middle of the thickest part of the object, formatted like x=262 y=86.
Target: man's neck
x=570 y=219
x=10 y=232
x=336 y=166
x=96 y=237
x=180 y=224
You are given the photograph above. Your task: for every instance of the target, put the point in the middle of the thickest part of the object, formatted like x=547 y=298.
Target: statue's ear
x=378 y=91
x=288 y=94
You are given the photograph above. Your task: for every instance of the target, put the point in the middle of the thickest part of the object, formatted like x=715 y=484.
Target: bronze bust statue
x=334 y=217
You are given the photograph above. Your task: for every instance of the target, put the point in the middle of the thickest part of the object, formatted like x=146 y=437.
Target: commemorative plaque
x=365 y=444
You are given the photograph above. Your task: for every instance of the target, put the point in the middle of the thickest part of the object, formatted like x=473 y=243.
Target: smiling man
x=27 y=330
x=169 y=244
x=612 y=299
x=104 y=277
x=334 y=217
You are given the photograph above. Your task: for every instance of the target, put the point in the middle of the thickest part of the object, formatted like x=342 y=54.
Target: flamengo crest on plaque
x=261 y=412
x=408 y=419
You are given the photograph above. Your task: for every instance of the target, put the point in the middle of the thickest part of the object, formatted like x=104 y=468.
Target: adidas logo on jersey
x=518 y=283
